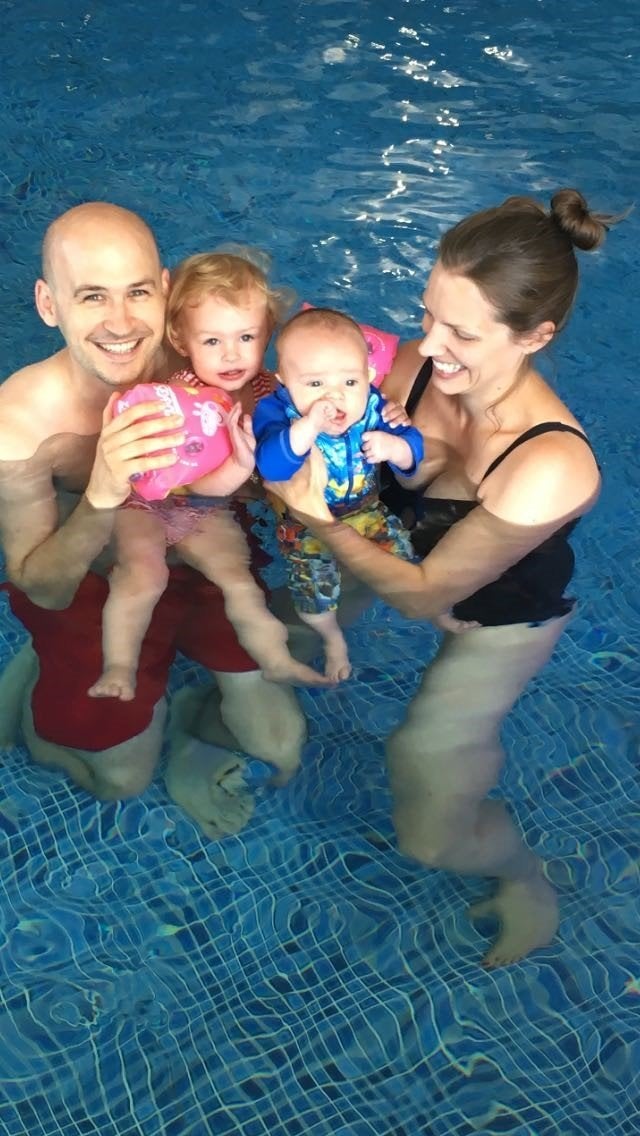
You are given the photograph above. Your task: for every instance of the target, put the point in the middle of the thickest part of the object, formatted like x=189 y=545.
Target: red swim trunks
x=189 y=617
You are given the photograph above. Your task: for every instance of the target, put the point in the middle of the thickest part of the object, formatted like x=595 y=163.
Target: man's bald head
x=104 y=288
x=95 y=221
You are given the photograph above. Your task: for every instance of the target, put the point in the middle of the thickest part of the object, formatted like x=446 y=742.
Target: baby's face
x=225 y=343
x=316 y=363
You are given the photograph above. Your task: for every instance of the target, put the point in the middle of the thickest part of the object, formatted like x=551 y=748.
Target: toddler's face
x=317 y=363
x=225 y=343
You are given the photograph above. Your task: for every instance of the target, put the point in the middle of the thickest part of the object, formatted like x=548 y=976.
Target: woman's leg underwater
x=445 y=758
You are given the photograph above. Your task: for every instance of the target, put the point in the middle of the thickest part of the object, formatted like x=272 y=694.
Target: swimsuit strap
x=534 y=432
x=419 y=386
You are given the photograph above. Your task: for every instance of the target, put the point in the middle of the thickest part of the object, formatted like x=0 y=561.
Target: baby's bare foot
x=288 y=669
x=337 y=666
x=115 y=682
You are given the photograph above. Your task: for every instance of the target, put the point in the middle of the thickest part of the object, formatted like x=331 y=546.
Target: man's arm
x=47 y=560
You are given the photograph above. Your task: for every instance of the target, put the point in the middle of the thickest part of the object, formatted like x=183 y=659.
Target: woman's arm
x=475 y=551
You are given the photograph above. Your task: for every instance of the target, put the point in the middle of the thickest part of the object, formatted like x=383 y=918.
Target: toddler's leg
x=219 y=550
x=138 y=579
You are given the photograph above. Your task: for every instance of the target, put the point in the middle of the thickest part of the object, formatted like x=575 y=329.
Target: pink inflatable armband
x=207 y=444
x=381 y=346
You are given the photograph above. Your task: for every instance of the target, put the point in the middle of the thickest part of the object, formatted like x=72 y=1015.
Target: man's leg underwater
x=108 y=747
x=207 y=728
x=115 y=773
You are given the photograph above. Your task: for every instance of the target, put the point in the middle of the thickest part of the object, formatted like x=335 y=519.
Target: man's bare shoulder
x=29 y=400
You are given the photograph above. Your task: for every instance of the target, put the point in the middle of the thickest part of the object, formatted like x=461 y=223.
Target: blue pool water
x=303 y=978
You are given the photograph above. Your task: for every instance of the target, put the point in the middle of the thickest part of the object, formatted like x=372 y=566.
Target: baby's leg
x=138 y=579
x=219 y=550
x=337 y=666
x=314 y=581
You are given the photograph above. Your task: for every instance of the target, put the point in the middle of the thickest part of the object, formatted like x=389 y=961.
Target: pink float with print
x=207 y=444
x=382 y=347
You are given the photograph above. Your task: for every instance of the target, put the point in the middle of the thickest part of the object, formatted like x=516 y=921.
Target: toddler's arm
x=239 y=466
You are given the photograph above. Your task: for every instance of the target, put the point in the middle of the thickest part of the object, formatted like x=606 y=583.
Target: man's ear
x=45 y=303
x=535 y=340
x=165 y=279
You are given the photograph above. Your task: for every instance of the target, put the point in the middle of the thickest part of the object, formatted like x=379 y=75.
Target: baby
x=325 y=399
x=220 y=317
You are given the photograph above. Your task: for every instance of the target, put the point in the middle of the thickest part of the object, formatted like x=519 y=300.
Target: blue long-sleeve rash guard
x=351 y=478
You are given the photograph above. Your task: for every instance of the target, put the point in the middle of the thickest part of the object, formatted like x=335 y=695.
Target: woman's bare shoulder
x=554 y=476
x=397 y=384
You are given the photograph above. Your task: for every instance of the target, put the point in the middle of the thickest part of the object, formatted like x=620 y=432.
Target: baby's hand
x=377 y=446
x=320 y=413
x=394 y=414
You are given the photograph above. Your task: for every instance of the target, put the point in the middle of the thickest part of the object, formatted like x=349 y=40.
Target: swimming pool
x=302 y=978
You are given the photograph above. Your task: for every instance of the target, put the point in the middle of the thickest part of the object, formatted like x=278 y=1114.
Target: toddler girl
x=220 y=316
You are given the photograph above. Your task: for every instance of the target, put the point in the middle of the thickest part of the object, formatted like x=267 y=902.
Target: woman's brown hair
x=522 y=257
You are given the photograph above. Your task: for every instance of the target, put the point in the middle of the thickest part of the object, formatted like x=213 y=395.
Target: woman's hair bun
x=586 y=230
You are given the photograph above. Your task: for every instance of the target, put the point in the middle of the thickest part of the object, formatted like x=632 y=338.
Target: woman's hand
x=448 y=622
x=394 y=414
x=303 y=494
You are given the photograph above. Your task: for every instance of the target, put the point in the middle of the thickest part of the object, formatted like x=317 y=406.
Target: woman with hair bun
x=508 y=472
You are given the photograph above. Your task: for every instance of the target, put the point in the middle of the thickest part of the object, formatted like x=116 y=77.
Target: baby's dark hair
x=326 y=319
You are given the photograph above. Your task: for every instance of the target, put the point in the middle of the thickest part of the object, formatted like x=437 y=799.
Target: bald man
x=65 y=465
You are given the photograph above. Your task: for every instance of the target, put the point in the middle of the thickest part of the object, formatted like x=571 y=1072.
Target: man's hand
x=136 y=441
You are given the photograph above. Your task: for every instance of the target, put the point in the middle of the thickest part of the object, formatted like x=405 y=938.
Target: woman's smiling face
x=469 y=347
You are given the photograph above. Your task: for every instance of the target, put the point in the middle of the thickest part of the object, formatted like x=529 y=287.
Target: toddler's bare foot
x=287 y=669
x=337 y=666
x=115 y=682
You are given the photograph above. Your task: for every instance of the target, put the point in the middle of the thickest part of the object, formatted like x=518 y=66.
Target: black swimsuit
x=532 y=590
